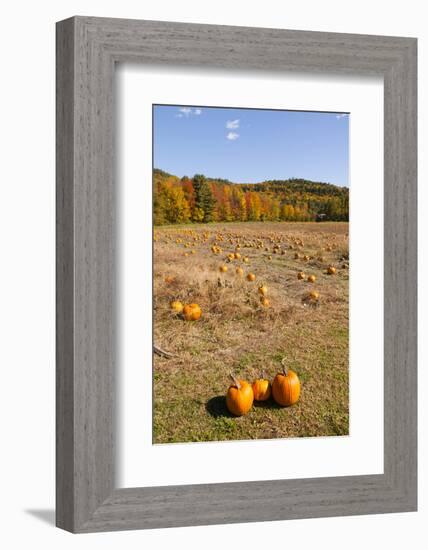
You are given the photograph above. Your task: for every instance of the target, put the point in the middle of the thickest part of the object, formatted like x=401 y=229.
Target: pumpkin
x=176 y=306
x=331 y=270
x=237 y=256
x=263 y=290
x=286 y=387
x=245 y=260
x=300 y=275
x=251 y=277
x=223 y=268
x=239 y=397
x=312 y=279
x=314 y=295
x=264 y=301
x=261 y=389
x=192 y=312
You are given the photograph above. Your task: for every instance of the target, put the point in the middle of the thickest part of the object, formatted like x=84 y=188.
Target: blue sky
x=251 y=145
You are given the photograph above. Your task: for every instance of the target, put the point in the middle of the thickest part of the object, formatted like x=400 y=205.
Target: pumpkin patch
x=214 y=313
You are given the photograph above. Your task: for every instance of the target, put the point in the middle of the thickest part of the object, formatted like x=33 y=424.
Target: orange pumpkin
x=286 y=387
x=263 y=290
x=311 y=279
x=239 y=397
x=300 y=275
x=223 y=268
x=192 y=312
x=331 y=270
x=264 y=301
x=261 y=389
x=251 y=277
x=314 y=295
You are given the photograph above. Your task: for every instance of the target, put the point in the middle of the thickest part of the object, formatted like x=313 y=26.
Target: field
x=236 y=333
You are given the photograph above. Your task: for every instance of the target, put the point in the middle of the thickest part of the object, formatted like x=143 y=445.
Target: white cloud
x=188 y=111
x=232 y=124
x=232 y=136
x=341 y=115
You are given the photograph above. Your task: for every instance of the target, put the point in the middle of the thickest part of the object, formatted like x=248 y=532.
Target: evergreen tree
x=204 y=198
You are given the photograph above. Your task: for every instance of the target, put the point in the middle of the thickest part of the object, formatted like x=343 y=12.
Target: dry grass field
x=236 y=333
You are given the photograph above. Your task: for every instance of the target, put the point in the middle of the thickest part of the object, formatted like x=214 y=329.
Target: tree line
x=202 y=200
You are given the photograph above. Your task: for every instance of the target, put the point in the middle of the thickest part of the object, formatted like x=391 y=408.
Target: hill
x=202 y=199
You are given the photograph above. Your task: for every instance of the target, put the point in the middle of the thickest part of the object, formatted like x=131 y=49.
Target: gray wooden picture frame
x=87 y=50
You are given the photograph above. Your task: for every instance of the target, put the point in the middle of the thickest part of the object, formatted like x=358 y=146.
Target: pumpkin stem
x=235 y=381
x=284 y=367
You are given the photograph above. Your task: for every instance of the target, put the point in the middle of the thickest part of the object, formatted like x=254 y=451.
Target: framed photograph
x=236 y=274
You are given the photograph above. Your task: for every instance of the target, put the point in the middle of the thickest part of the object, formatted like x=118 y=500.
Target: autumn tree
x=189 y=192
x=253 y=203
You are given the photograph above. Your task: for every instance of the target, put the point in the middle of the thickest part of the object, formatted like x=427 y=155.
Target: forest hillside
x=201 y=199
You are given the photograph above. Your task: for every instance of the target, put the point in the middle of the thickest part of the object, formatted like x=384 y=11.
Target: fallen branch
x=162 y=352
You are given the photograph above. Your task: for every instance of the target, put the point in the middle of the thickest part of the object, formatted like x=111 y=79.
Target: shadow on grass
x=268 y=404
x=216 y=407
